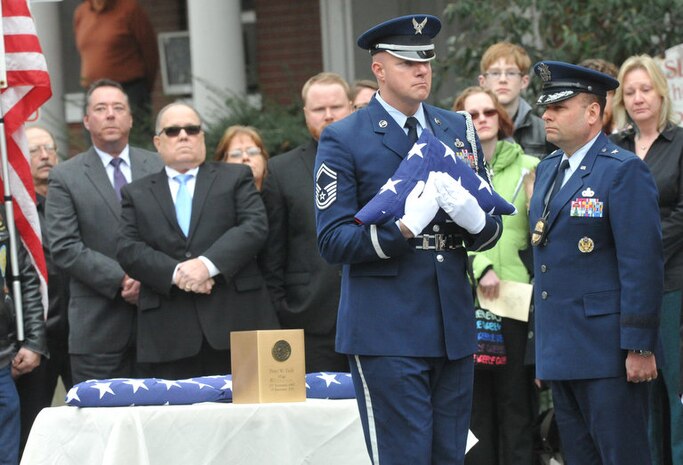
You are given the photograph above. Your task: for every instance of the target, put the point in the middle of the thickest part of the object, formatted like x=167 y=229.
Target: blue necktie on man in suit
x=119 y=179
x=183 y=203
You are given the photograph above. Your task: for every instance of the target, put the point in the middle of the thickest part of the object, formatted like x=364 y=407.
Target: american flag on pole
x=25 y=87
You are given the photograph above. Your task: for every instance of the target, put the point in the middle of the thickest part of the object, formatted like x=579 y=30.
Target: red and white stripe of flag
x=27 y=88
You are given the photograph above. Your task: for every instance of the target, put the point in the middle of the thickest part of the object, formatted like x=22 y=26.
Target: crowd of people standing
x=154 y=257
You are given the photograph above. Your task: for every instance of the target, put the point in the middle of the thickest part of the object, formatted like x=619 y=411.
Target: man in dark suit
x=82 y=215
x=190 y=233
x=598 y=274
x=304 y=288
x=406 y=315
x=36 y=389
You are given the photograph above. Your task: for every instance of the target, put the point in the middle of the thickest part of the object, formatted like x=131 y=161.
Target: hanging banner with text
x=672 y=65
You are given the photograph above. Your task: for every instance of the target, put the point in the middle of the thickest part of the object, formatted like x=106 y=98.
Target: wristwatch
x=642 y=353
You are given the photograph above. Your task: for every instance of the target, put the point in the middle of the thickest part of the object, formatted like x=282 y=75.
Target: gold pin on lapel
x=586 y=245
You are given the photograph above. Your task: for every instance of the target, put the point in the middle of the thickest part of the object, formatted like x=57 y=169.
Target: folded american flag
x=122 y=392
x=427 y=155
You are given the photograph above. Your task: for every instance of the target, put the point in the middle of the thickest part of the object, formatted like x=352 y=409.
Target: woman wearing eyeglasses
x=502 y=414
x=243 y=144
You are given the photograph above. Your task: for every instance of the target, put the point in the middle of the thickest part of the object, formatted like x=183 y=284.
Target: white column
x=338 y=43
x=217 y=50
x=51 y=114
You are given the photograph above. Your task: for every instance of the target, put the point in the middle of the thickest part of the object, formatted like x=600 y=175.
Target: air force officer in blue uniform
x=406 y=317
x=598 y=274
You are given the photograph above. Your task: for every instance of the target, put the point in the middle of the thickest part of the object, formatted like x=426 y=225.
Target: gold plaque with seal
x=268 y=366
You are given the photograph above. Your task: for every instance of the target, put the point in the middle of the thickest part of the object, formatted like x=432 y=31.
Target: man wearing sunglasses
x=82 y=214
x=190 y=233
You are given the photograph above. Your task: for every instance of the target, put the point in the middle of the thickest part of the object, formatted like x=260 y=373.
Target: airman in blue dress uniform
x=598 y=274
x=406 y=317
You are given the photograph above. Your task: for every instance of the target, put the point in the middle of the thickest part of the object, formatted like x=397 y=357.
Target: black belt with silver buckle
x=437 y=242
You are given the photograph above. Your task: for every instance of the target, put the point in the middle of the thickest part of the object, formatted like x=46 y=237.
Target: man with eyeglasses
x=303 y=286
x=43 y=151
x=82 y=213
x=37 y=388
x=505 y=70
x=190 y=233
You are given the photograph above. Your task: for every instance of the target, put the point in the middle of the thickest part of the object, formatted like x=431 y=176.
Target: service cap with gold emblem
x=407 y=37
x=562 y=81
x=586 y=245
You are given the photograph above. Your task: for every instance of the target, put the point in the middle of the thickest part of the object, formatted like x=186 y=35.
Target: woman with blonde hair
x=243 y=144
x=642 y=104
x=502 y=413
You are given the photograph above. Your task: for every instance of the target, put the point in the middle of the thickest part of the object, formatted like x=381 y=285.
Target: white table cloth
x=312 y=432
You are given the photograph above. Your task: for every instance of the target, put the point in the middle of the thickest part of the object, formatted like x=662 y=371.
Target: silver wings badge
x=419 y=26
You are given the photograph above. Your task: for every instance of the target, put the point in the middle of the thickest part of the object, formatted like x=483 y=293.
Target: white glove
x=421 y=206
x=460 y=205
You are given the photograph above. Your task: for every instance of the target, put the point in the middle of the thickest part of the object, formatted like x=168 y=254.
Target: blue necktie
x=119 y=178
x=183 y=203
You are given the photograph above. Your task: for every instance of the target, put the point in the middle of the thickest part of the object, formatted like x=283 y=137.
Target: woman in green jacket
x=502 y=414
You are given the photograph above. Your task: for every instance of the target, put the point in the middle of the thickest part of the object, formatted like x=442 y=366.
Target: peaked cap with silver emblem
x=407 y=37
x=562 y=81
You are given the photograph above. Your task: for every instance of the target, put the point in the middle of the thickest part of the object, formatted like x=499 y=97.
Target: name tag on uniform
x=586 y=207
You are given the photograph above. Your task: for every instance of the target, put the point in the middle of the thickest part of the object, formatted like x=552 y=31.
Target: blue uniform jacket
x=395 y=300
x=598 y=279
